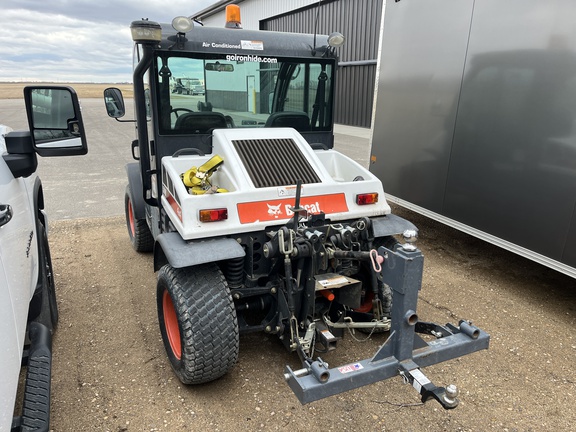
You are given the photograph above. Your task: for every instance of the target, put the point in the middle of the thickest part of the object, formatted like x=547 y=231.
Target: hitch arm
x=404 y=352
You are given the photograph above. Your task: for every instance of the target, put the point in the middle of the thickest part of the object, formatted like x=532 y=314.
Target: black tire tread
x=210 y=341
x=142 y=239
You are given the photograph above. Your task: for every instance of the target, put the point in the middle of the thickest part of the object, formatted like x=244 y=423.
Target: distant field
x=84 y=90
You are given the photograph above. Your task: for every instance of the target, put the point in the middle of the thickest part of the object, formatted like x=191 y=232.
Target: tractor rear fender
x=390 y=225
x=170 y=248
x=136 y=190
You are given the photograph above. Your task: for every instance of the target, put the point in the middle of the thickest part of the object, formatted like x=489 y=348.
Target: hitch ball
x=450 y=396
x=410 y=235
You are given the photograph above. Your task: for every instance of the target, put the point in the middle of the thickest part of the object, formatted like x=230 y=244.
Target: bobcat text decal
x=270 y=210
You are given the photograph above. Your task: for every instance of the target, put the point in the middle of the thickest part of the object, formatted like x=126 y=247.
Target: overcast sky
x=77 y=40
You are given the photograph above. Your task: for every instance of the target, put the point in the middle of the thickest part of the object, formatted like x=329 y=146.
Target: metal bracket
x=404 y=352
x=447 y=397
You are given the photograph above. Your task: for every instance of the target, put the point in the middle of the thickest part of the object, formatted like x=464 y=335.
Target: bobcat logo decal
x=274 y=210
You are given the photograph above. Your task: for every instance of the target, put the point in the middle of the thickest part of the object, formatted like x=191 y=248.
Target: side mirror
x=114 y=102
x=55 y=121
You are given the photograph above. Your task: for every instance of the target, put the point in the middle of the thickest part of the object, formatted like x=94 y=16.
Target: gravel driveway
x=111 y=372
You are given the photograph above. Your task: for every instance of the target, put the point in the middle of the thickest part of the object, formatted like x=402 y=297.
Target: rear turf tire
x=198 y=322
x=138 y=230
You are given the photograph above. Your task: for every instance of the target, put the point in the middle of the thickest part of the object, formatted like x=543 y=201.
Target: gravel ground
x=111 y=372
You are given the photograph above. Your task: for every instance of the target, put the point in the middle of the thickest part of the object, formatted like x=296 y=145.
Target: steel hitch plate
x=404 y=353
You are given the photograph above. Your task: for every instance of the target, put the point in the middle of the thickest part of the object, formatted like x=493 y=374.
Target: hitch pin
x=319 y=369
x=376 y=260
x=286 y=245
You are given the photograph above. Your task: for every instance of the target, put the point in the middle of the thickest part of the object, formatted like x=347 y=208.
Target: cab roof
x=219 y=40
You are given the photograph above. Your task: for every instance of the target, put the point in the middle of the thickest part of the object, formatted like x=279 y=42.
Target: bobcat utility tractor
x=257 y=224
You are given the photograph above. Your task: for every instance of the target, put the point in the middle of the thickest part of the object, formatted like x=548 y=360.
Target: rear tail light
x=213 y=215
x=365 y=199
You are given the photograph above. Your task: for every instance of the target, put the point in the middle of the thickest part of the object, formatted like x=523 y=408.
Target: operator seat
x=294 y=119
x=200 y=122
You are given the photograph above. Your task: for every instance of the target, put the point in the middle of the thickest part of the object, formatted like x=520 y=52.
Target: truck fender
x=40 y=217
x=171 y=248
x=391 y=225
x=135 y=185
x=38 y=195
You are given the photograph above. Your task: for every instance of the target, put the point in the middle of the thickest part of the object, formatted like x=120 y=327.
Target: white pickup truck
x=28 y=308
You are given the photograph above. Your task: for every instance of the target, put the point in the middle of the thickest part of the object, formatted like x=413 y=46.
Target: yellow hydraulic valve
x=197 y=179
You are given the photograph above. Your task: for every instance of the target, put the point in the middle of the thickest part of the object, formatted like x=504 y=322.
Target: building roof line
x=214 y=9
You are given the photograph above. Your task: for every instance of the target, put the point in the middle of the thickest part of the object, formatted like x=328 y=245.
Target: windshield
x=196 y=95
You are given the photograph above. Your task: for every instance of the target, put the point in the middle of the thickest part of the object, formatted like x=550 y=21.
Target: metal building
x=358 y=20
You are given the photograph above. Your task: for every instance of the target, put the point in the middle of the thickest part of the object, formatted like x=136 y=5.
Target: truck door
x=18 y=247
x=11 y=354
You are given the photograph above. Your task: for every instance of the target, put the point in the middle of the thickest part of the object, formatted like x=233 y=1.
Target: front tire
x=138 y=230
x=198 y=322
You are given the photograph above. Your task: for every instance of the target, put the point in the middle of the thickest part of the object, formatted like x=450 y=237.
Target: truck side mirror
x=114 y=102
x=55 y=121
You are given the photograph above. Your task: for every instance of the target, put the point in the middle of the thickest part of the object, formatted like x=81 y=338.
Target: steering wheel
x=175 y=111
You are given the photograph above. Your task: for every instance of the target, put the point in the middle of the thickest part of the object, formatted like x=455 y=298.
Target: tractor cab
x=244 y=79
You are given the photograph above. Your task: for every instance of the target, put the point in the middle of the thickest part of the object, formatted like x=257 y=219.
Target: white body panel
x=18 y=277
x=336 y=172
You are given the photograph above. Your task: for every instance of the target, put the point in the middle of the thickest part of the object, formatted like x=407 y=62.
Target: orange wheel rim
x=171 y=324
x=131 y=218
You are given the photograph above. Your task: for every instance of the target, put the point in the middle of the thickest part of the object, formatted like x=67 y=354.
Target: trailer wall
x=474 y=120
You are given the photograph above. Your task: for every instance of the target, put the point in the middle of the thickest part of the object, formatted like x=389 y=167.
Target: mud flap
x=390 y=225
x=135 y=184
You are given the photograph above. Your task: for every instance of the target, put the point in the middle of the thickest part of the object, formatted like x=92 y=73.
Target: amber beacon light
x=233 y=17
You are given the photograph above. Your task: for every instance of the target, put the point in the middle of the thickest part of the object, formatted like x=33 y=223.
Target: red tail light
x=365 y=199
x=213 y=215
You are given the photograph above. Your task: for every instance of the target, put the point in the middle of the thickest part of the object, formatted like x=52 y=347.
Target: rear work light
x=182 y=24
x=145 y=31
x=213 y=215
x=365 y=199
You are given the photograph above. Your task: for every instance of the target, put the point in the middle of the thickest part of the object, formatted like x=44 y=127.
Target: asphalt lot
x=83 y=186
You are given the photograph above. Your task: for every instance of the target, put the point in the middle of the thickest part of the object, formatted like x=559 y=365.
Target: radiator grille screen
x=274 y=162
